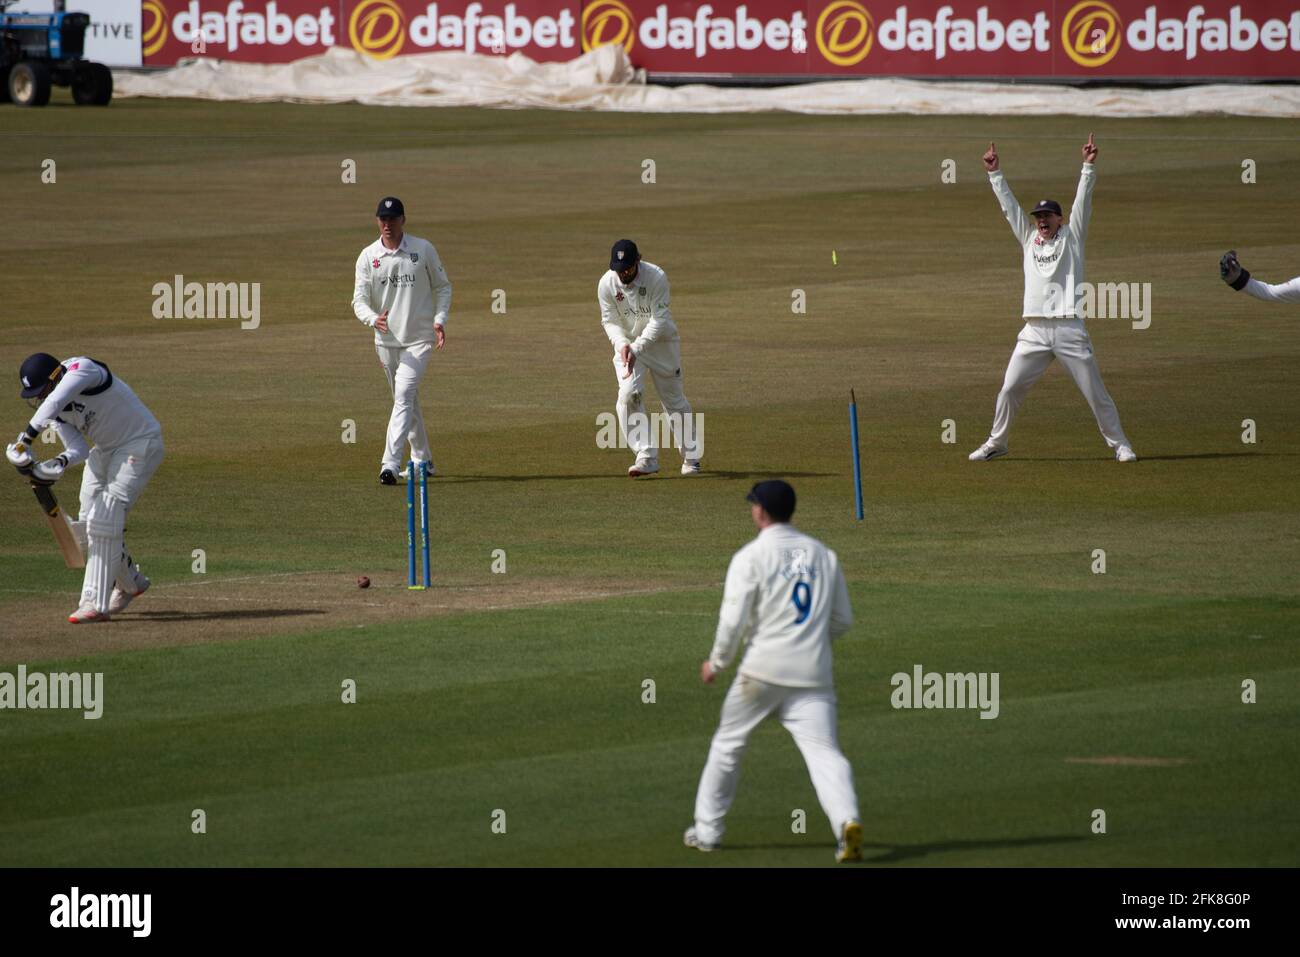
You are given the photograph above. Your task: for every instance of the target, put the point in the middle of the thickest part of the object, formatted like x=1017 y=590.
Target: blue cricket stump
x=424 y=520
x=857 y=465
x=410 y=525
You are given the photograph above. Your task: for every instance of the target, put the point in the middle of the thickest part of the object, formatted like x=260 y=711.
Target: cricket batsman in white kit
x=635 y=313
x=402 y=292
x=1054 y=268
x=1236 y=276
x=86 y=402
x=786 y=594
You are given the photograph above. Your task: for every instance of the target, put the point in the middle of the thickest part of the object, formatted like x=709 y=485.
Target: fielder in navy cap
x=776 y=497
x=390 y=206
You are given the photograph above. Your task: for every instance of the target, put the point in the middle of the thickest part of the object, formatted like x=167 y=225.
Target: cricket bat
x=60 y=525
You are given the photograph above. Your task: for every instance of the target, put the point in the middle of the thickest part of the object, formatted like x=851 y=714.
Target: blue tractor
x=41 y=50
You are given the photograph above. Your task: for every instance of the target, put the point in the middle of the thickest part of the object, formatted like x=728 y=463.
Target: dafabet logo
x=154 y=31
x=377 y=28
x=607 y=21
x=1090 y=33
x=845 y=32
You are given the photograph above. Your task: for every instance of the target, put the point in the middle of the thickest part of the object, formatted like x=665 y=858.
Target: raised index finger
x=1090 y=143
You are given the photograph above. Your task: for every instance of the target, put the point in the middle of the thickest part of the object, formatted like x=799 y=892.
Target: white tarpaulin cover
x=604 y=79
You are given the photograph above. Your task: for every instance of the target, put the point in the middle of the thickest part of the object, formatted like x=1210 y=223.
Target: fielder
x=633 y=296
x=785 y=592
x=85 y=402
x=1054 y=268
x=1232 y=272
x=402 y=292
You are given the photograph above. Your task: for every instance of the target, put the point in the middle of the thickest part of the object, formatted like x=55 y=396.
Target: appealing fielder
x=402 y=292
x=786 y=593
x=1236 y=276
x=634 y=311
x=85 y=402
x=1054 y=269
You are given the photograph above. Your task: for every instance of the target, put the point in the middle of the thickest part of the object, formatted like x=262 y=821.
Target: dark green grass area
x=537 y=710
x=541 y=714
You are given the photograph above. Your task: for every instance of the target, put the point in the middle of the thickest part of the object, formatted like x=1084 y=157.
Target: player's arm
x=1081 y=210
x=361 y=292
x=440 y=284
x=739 y=597
x=1238 y=277
x=609 y=318
x=661 y=316
x=1016 y=217
x=841 y=610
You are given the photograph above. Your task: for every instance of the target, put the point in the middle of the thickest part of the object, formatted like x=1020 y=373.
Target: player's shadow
x=239 y=614
x=893 y=853
x=618 y=477
x=1148 y=458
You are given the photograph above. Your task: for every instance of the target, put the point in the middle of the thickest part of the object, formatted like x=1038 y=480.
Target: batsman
x=87 y=405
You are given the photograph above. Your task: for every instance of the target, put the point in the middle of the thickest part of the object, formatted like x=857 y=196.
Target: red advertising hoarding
x=280 y=31
x=1070 y=39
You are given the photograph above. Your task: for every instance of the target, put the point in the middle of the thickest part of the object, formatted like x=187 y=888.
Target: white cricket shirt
x=636 y=314
x=89 y=400
x=786 y=594
x=409 y=282
x=1053 y=268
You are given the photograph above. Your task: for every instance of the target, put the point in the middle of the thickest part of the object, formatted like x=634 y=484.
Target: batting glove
x=18 y=455
x=50 y=471
x=1231 y=272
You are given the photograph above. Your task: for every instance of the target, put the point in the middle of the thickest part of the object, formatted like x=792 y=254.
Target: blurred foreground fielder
x=1236 y=276
x=83 y=400
x=1054 y=268
x=786 y=593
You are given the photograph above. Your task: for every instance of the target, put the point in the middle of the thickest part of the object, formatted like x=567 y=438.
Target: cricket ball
x=363 y=582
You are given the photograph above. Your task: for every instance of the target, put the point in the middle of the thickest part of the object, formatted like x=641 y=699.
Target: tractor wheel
x=92 y=84
x=29 y=83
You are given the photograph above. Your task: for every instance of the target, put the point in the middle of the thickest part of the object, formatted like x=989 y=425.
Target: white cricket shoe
x=429 y=470
x=86 y=615
x=1125 y=454
x=120 y=599
x=985 y=452
x=643 y=466
x=691 y=467
x=691 y=839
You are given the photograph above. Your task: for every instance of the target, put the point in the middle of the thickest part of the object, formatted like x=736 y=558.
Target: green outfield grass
x=523 y=692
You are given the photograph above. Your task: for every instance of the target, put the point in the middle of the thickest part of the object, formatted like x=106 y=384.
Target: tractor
x=39 y=50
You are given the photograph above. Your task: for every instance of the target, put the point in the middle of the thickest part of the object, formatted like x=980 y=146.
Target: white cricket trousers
x=110 y=484
x=809 y=715
x=404 y=366
x=1038 y=343
x=663 y=361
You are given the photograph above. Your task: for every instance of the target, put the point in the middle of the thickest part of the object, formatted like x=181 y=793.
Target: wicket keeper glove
x=50 y=471
x=1231 y=272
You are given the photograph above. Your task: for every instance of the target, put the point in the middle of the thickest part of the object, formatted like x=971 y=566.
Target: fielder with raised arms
x=1054 y=268
x=1236 y=276
x=86 y=402
x=786 y=595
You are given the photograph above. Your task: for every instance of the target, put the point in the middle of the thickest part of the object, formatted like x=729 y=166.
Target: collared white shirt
x=90 y=401
x=786 y=594
x=636 y=314
x=409 y=282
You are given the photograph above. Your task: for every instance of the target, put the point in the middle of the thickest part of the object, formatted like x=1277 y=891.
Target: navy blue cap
x=623 y=255
x=38 y=371
x=390 y=206
x=1046 y=206
x=776 y=497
